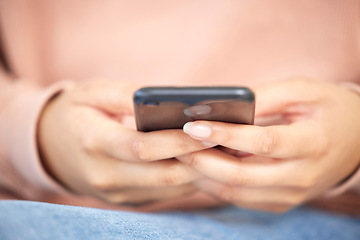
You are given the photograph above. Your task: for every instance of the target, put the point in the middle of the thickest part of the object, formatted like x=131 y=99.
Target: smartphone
x=158 y=108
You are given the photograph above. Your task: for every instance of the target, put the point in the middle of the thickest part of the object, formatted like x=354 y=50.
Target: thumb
x=284 y=96
x=108 y=95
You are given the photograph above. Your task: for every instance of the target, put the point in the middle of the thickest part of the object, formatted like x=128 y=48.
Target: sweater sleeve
x=21 y=171
x=353 y=182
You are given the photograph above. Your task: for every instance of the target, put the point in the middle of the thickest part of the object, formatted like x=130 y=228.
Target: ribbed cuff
x=18 y=130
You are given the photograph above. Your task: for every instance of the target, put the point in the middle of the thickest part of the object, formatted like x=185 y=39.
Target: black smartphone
x=159 y=108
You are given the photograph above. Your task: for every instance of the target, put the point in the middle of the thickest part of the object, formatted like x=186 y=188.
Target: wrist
x=352 y=180
x=20 y=144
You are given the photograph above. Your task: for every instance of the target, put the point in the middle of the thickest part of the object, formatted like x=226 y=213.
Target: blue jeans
x=33 y=220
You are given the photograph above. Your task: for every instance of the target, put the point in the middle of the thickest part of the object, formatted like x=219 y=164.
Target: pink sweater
x=154 y=43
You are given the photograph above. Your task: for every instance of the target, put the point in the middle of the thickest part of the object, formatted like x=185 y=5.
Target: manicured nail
x=197 y=130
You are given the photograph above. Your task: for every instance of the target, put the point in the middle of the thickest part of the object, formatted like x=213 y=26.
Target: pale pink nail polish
x=197 y=130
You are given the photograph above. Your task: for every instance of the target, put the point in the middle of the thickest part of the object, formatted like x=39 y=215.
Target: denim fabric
x=33 y=220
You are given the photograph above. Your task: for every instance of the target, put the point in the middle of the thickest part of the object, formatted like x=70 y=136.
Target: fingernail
x=197 y=130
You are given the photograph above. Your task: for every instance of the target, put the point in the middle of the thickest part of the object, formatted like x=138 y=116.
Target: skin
x=314 y=150
x=86 y=145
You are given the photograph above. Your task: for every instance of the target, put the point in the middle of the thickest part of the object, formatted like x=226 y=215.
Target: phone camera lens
x=151 y=103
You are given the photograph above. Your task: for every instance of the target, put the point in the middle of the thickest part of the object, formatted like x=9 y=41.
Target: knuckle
x=238 y=177
x=141 y=150
x=98 y=182
x=192 y=159
x=173 y=176
x=226 y=135
x=89 y=144
x=184 y=146
x=226 y=194
x=268 y=142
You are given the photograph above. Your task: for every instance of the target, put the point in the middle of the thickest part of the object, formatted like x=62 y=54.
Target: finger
x=280 y=96
x=107 y=95
x=128 y=145
x=282 y=141
x=144 y=195
x=233 y=171
x=121 y=143
x=274 y=195
x=109 y=175
x=233 y=152
x=165 y=144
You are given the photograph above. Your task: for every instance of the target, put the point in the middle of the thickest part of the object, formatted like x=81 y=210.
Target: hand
x=288 y=164
x=87 y=148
